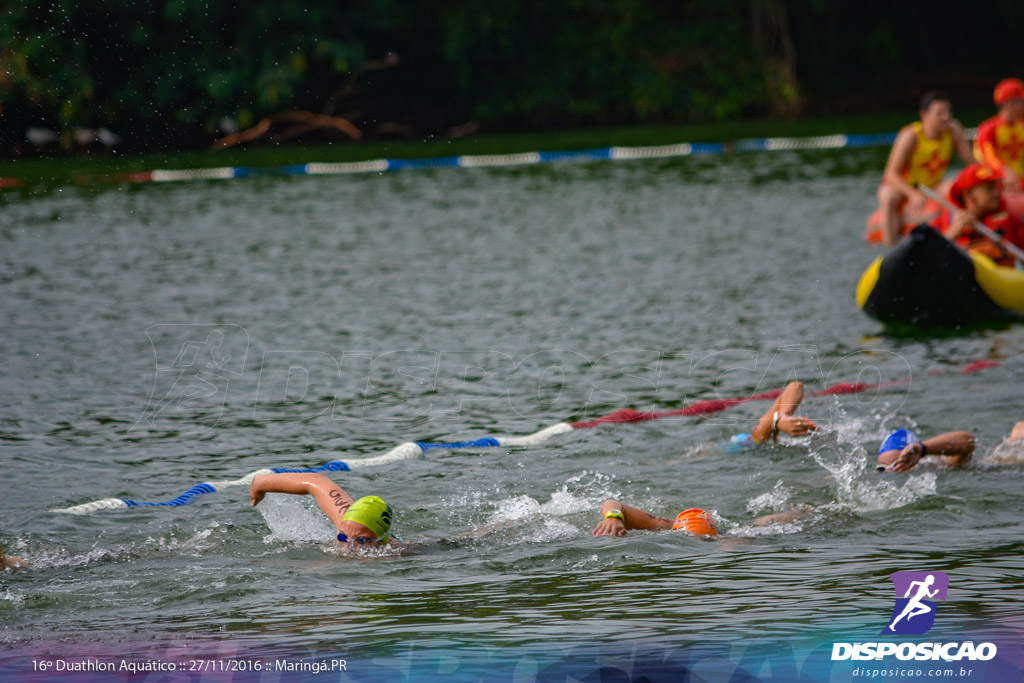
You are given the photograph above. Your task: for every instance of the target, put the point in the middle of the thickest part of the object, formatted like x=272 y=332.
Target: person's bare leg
x=889 y=202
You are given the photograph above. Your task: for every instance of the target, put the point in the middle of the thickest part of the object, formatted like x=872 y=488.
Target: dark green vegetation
x=167 y=74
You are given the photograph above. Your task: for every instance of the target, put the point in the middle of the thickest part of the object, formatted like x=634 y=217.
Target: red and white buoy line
x=416 y=449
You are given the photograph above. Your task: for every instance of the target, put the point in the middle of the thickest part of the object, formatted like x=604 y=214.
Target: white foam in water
x=1006 y=453
x=774 y=500
x=292 y=518
x=16 y=599
x=877 y=493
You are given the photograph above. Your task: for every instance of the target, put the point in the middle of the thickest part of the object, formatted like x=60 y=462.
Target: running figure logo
x=914 y=612
x=194 y=365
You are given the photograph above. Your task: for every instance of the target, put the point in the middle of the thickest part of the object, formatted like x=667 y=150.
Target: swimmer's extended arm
x=952 y=448
x=785 y=405
x=331 y=498
x=633 y=518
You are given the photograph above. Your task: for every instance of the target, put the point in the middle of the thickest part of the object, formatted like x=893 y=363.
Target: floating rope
x=415 y=449
x=505 y=160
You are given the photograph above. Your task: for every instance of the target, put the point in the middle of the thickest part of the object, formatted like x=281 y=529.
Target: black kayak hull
x=925 y=281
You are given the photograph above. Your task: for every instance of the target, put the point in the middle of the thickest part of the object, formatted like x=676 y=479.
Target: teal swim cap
x=371 y=512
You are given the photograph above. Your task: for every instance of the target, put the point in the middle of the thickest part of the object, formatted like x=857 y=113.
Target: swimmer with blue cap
x=902 y=450
x=358 y=522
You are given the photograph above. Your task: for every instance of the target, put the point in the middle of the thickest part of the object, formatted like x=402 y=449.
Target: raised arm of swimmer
x=331 y=498
x=769 y=426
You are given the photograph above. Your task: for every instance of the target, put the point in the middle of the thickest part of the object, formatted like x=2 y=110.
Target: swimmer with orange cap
x=1000 y=141
x=619 y=517
x=358 y=522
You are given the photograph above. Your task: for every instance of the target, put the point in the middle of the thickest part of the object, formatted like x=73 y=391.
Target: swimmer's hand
x=610 y=527
x=255 y=493
x=908 y=457
x=795 y=425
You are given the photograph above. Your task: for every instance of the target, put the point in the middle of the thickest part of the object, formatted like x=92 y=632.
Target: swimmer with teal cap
x=779 y=418
x=358 y=522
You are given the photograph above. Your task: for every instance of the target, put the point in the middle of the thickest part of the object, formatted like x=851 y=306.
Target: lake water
x=156 y=336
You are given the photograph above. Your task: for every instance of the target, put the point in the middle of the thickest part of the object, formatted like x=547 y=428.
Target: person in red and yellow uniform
x=976 y=191
x=920 y=154
x=1000 y=141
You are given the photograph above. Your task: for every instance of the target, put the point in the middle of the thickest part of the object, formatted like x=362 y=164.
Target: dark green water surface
x=361 y=312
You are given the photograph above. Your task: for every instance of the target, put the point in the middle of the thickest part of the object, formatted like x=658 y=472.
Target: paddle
x=1017 y=252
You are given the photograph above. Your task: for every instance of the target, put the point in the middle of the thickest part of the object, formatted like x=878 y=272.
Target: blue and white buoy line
x=405 y=451
x=839 y=141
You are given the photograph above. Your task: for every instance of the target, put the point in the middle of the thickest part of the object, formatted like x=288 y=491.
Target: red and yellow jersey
x=1000 y=143
x=930 y=159
x=1002 y=222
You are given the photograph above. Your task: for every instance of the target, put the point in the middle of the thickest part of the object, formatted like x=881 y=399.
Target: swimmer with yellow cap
x=358 y=522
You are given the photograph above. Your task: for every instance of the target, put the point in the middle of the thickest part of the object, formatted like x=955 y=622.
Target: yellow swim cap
x=696 y=521
x=371 y=512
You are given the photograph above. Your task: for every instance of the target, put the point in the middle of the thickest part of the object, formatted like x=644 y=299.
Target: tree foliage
x=169 y=68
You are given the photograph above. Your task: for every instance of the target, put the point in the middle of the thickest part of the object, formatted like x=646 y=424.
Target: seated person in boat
x=976 y=192
x=920 y=154
x=358 y=522
x=1000 y=141
x=902 y=450
x=778 y=418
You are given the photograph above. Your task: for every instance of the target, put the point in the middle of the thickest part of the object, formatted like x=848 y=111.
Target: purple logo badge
x=914 y=612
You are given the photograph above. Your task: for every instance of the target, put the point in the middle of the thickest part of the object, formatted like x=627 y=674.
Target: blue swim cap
x=897 y=441
x=740 y=443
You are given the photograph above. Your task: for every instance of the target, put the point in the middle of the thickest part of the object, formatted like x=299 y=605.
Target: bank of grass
x=65 y=169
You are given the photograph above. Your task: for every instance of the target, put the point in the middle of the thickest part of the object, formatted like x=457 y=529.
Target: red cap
x=975 y=174
x=1008 y=89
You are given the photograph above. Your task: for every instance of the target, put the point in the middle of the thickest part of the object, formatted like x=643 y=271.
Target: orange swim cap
x=1008 y=89
x=696 y=521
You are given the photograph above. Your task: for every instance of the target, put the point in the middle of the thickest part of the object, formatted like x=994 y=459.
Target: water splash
x=1006 y=453
x=774 y=500
x=865 y=494
x=294 y=518
x=17 y=600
